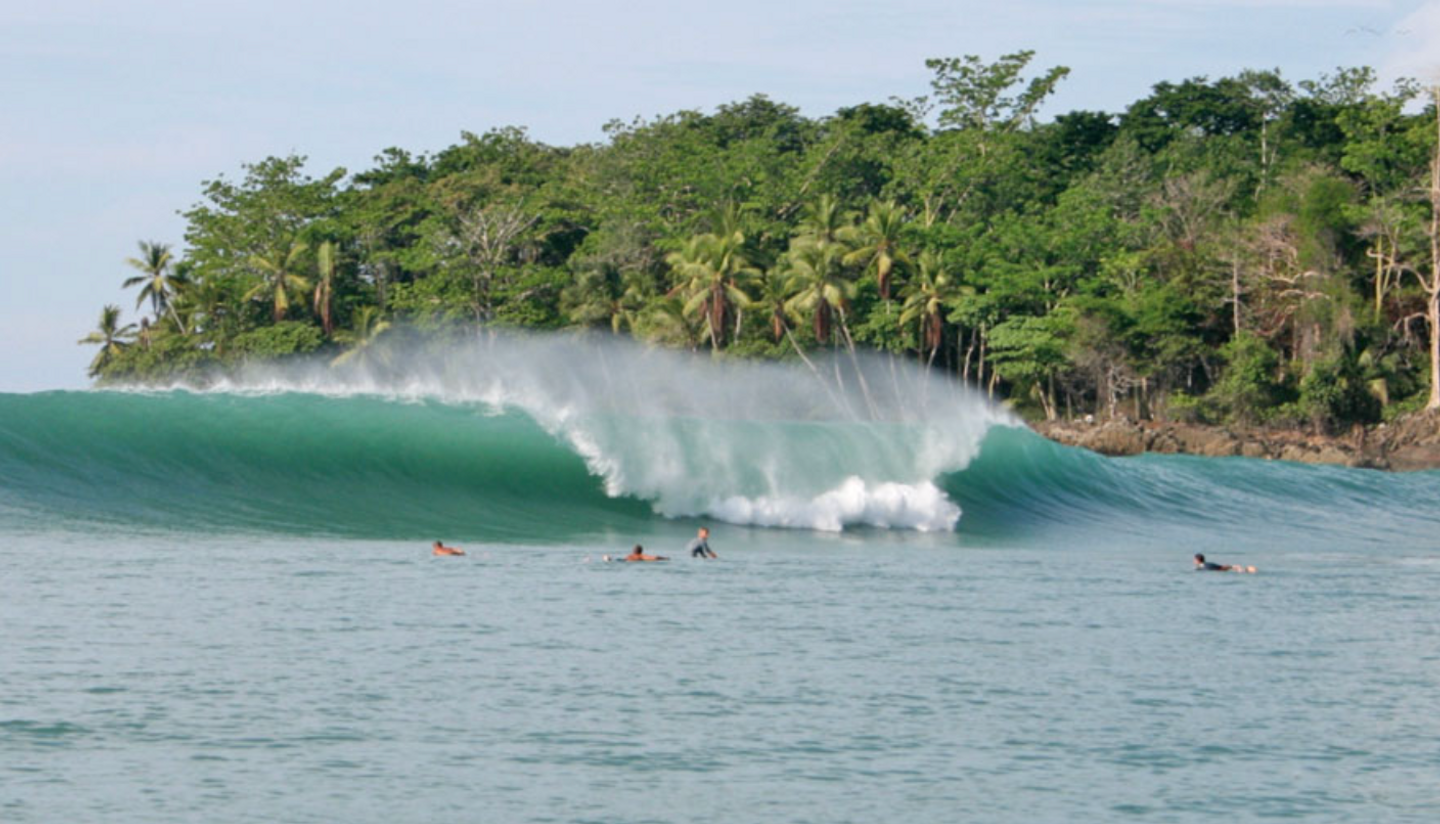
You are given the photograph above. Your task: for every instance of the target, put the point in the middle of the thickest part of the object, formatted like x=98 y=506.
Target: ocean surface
x=218 y=604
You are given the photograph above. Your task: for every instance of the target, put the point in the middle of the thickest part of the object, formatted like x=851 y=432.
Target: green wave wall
x=364 y=466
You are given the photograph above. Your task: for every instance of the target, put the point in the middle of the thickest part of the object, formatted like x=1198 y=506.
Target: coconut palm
x=369 y=326
x=925 y=299
x=822 y=223
x=111 y=337
x=876 y=243
x=822 y=291
x=325 y=259
x=602 y=293
x=666 y=321
x=711 y=272
x=205 y=307
x=158 y=282
x=278 y=278
x=775 y=291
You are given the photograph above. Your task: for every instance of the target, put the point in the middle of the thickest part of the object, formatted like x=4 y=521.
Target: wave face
x=540 y=439
x=503 y=435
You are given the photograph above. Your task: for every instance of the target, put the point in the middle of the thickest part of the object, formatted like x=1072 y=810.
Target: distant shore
x=1409 y=444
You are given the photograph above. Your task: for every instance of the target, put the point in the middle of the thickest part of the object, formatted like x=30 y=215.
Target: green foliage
x=1334 y=393
x=1238 y=249
x=288 y=337
x=1186 y=408
x=1247 y=387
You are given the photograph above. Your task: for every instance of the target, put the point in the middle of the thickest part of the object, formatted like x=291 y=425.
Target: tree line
x=1243 y=250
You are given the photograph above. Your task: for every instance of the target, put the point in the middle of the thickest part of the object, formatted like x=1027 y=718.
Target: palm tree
x=602 y=293
x=111 y=336
x=823 y=223
x=822 y=290
x=776 y=289
x=666 y=320
x=710 y=270
x=158 y=282
x=877 y=243
x=205 y=307
x=925 y=300
x=325 y=285
x=369 y=326
x=278 y=278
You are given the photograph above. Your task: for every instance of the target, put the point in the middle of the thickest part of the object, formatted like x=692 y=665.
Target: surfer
x=638 y=554
x=700 y=547
x=1202 y=565
x=441 y=549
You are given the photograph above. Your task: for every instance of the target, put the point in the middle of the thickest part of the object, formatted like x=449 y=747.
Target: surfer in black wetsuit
x=1202 y=565
x=700 y=547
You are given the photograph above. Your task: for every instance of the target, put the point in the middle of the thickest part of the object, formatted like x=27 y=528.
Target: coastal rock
x=1211 y=443
x=1330 y=454
x=1414 y=458
x=1255 y=449
x=1409 y=444
x=1116 y=438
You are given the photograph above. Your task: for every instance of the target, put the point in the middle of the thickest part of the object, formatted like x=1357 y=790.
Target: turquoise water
x=220 y=606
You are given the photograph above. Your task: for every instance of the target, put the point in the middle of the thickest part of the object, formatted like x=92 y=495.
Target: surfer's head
x=704 y=532
x=1199 y=559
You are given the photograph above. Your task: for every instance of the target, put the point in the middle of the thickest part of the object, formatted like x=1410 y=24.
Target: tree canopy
x=1243 y=249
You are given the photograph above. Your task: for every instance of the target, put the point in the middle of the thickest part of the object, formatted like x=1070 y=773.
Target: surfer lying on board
x=441 y=549
x=638 y=554
x=700 y=547
x=1203 y=565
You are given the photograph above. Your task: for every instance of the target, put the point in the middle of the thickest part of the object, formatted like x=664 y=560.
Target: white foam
x=921 y=507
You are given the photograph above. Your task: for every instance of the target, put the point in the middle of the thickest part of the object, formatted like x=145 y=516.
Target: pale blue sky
x=112 y=113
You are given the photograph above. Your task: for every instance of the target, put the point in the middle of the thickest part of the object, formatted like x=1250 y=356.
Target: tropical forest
x=1244 y=250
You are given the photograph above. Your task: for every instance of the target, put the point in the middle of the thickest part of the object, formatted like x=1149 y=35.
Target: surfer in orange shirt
x=441 y=549
x=638 y=554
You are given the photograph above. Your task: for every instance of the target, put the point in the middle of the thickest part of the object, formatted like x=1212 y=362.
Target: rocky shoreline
x=1409 y=444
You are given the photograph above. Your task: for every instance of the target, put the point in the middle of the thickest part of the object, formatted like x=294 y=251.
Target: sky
x=112 y=114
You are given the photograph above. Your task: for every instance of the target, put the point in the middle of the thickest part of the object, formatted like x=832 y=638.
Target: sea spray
x=849 y=441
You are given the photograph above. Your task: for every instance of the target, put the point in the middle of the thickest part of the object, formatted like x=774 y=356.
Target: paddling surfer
x=1202 y=565
x=700 y=547
x=441 y=549
x=638 y=554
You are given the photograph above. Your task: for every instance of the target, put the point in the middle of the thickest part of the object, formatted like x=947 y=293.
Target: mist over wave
x=838 y=442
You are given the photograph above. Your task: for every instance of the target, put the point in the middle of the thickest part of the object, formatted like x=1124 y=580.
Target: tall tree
x=926 y=297
x=489 y=237
x=370 y=324
x=158 y=282
x=711 y=273
x=1432 y=284
x=823 y=290
x=278 y=277
x=603 y=294
x=325 y=284
x=111 y=337
x=877 y=243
